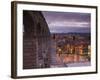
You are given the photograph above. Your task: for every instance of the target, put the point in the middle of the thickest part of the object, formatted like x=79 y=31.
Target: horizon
x=72 y=33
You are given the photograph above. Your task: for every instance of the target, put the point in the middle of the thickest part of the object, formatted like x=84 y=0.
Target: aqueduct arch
x=36 y=40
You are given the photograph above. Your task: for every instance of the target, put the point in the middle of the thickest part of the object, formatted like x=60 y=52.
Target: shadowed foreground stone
x=36 y=41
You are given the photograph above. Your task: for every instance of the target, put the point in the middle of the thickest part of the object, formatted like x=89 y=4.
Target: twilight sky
x=64 y=22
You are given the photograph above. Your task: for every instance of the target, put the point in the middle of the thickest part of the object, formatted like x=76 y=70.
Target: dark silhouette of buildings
x=36 y=41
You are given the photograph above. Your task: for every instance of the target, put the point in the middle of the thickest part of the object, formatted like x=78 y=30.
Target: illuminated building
x=75 y=46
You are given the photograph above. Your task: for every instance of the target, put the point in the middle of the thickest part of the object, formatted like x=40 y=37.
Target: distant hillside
x=81 y=34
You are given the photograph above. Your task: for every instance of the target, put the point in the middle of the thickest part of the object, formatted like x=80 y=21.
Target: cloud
x=68 y=21
x=69 y=29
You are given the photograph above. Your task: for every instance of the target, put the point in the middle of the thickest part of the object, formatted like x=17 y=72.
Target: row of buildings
x=73 y=44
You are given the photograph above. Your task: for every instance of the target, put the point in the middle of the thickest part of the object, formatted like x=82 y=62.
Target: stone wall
x=36 y=41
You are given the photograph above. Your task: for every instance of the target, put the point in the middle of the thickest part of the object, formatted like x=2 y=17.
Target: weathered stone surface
x=36 y=41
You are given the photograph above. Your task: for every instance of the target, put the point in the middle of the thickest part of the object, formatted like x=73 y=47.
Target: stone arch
x=36 y=41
